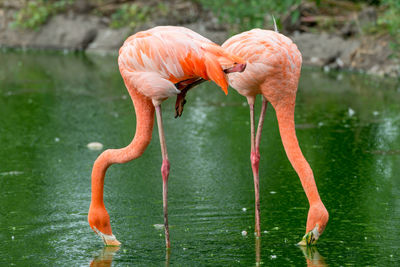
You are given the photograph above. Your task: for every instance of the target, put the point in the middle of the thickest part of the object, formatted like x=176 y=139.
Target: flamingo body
x=273 y=70
x=155 y=60
x=156 y=64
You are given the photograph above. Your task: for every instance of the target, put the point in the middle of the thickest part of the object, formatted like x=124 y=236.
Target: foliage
x=36 y=12
x=244 y=15
x=130 y=15
x=391 y=19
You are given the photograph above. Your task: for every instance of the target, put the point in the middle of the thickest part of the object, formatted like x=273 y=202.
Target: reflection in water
x=312 y=256
x=167 y=256
x=105 y=257
x=258 y=248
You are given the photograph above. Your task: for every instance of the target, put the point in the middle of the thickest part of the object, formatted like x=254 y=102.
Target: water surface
x=53 y=105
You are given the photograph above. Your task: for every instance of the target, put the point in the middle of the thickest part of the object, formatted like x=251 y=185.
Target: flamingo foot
x=310 y=238
x=109 y=240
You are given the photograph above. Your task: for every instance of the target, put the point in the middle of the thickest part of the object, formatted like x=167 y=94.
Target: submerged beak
x=237 y=68
x=310 y=238
x=109 y=240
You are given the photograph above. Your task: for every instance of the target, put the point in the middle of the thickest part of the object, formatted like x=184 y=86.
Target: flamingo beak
x=237 y=68
x=310 y=238
x=109 y=240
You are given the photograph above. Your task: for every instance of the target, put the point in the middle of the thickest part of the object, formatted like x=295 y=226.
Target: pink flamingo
x=157 y=64
x=273 y=70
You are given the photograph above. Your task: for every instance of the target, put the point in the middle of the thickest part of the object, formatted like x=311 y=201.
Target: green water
x=53 y=105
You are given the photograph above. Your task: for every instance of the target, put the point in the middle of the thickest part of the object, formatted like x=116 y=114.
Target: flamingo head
x=99 y=221
x=219 y=62
x=316 y=222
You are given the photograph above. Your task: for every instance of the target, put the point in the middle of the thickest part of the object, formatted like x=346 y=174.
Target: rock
x=216 y=36
x=109 y=39
x=367 y=16
x=82 y=6
x=323 y=49
x=68 y=31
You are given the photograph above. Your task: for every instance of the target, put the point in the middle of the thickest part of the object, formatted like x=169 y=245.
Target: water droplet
x=244 y=209
x=56 y=139
x=244 y=233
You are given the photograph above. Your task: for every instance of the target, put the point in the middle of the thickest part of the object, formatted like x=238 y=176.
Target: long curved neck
x=285 y=115
x=144 y=127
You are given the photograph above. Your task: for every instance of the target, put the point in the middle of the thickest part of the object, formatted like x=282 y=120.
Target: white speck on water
x=223 y=104
x=314 y=59
x=272 y=192
x=11 y=173
x=244 y=233
x=327 y=69
x=275 y=228
x=273 y=256
x=124 y=97
x=339 y=77
x=351 y=112
x=244 y=209
x=12 y=237
x=184 y=248
x=244 y=104
x=30 y=101
x=95 y=146
x=158 y=226
x=265 y=232
x=375 y=113
x=320 y=124
x=56 y=139
x=365 y=237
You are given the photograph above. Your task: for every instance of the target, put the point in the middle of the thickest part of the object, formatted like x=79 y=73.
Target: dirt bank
x=346 y=46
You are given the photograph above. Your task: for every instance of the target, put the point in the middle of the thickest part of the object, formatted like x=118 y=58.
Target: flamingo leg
x=164 y=172
x=255 y=156
x=255 y=161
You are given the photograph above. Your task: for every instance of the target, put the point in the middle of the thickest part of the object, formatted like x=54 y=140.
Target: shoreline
x=71 y=31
